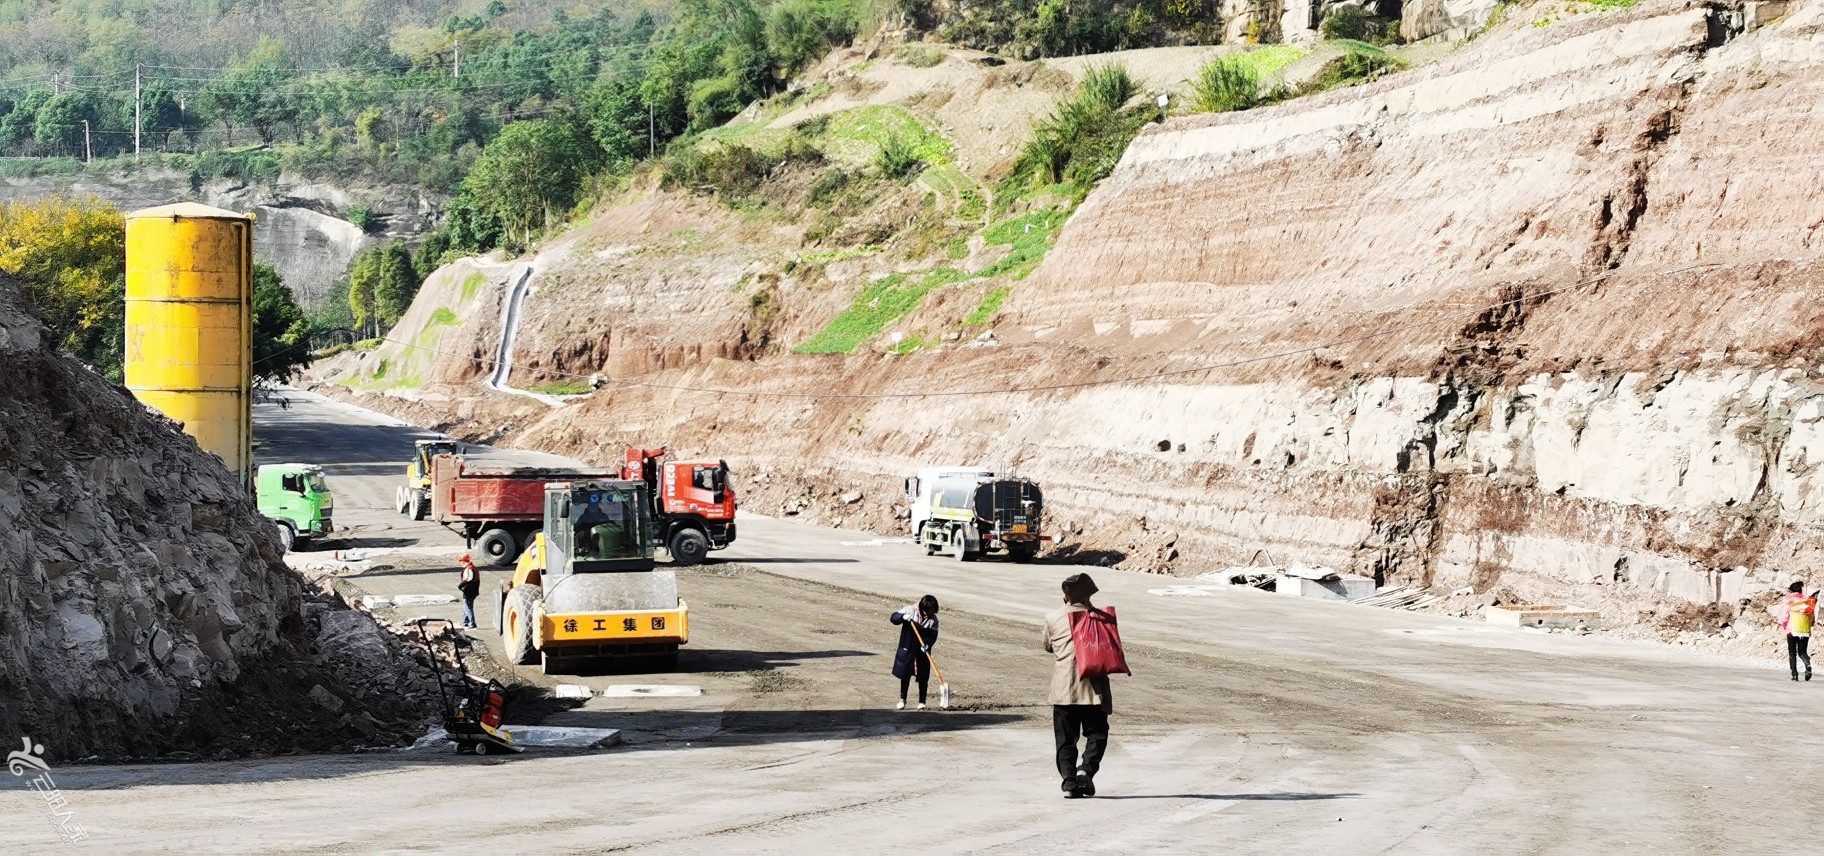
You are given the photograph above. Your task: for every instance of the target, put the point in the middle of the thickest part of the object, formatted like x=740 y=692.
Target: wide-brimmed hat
x=1079 y=586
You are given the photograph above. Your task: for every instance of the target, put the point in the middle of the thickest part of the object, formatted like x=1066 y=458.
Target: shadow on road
x=1239 y=797
x=708 y=660
x=649 y=730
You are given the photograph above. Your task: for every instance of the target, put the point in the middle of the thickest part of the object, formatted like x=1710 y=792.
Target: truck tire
x=959 y=546
x=402 y=502
x=1023 y=554
x=930 y=548
x=516 y=625
x=497 y=547
x=287 y=537
x=421 y=507
x=688 y=547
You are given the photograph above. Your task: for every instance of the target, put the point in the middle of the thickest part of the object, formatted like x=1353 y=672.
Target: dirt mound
x=145 y=609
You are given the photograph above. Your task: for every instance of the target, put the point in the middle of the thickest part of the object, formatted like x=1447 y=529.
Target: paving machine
x=587 y=587
x=471 y=709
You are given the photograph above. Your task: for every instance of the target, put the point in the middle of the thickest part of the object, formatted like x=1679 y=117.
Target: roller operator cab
x=297 y=498
x=414 y=497
x=693 y=503
x=969 y=517
x=586 y=587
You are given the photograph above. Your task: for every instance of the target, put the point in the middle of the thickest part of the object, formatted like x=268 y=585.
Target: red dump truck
x=498 y=509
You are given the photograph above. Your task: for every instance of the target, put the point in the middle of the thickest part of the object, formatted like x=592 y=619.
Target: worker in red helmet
x=470 y=585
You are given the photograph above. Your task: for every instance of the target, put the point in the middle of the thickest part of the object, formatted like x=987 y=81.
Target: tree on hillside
x=71 y=257
x=530 y=173
x=60 y=121
x=396 y=284
x=253 y=93
x=800 y=32
x=363 y=275
x=162 y=114
x=281 y=334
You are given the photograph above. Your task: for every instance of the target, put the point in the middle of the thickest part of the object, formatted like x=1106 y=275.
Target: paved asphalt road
x=1254 y=723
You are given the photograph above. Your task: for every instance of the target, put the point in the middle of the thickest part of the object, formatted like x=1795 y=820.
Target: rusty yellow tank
x=190 y=323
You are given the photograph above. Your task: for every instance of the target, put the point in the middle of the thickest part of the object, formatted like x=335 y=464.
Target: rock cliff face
x=1538 y=320
x=143 y=605
x=300 y=227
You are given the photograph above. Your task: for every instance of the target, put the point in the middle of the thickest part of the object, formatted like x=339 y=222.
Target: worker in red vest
x=1801 y=615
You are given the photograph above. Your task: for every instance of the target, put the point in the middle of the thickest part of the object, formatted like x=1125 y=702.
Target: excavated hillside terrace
x=1534 y=321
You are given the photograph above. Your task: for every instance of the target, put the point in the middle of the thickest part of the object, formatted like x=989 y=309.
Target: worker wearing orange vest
x=1801 y=615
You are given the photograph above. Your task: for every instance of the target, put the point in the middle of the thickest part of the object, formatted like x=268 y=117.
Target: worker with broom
x=917 y=633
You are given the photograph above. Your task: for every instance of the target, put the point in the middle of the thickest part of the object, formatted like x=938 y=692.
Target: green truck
x=295 y=497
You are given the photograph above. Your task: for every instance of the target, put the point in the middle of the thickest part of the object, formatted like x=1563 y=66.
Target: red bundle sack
x=1098 y=643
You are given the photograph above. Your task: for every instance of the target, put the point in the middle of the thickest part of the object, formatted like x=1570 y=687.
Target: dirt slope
x=1532 y=321
x=144 y=606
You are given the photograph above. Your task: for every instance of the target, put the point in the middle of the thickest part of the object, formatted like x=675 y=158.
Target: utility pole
x=88 y=152
x=136 y=100
x=652 y=141
x=458 y=71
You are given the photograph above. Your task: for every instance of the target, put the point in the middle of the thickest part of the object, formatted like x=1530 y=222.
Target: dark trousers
x=905 y=684
x=1798 y=648
x=1091 y=722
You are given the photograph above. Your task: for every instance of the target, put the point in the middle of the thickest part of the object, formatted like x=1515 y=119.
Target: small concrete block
x=1544 y=615
x=1344 y=587
x=573 y=691
x=404 y=600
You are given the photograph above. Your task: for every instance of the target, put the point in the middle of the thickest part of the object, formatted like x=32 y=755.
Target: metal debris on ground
x=1400 y=597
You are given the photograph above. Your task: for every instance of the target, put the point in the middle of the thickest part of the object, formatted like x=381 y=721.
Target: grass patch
x=1083 y=138
x=561 y=387
x=828 y=256
x=1269 y=60
x=908 y=345
x=884 y=301
x=984 y=311
x=1030 y=235
x=1357 y=66
x=444 y=317
x=859 y=136
x=472 y=284
x=1224 y=86
x=920 y=55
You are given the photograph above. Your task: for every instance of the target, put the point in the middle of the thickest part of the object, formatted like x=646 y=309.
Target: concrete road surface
x=1254 y=723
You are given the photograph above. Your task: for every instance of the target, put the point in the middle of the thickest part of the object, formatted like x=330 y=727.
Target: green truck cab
x=296 y=497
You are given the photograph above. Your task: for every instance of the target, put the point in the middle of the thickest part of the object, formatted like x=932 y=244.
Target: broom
x=943 y=686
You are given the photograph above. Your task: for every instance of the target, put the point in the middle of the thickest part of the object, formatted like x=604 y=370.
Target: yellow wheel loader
x=413 y=499
x=587 y=589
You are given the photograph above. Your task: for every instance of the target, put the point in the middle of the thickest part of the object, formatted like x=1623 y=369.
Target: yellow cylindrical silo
x=190 y=323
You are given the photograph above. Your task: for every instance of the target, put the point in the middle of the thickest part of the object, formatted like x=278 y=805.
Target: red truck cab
x=693 y=502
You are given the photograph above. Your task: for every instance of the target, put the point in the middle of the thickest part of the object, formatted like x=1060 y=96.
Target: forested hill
x=412 y=90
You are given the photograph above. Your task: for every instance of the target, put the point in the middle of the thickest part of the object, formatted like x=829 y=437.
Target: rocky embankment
x=300 y=227
x=1536 y=321
x=145 y=611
